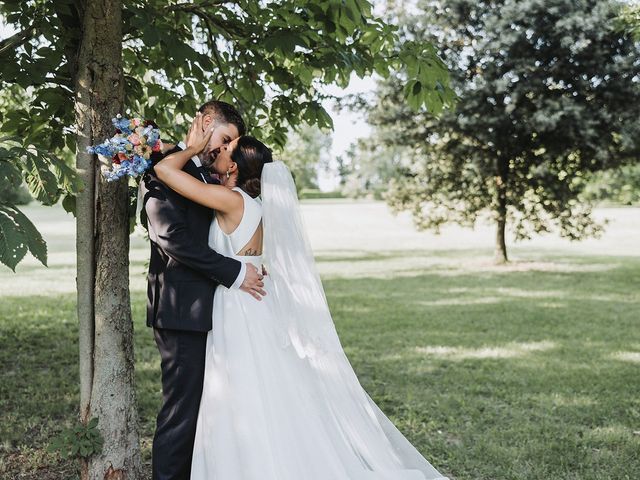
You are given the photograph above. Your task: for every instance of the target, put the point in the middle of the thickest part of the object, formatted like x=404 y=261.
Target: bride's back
x=243 y=240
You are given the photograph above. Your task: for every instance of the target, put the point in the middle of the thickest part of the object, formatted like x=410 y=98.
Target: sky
x=347 y=126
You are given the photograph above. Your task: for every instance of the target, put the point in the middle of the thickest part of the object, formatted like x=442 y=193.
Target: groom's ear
x=207 y=119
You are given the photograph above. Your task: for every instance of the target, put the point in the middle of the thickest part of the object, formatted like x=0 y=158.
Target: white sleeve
x=241 y=275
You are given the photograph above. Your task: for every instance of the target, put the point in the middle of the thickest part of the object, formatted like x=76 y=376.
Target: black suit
x=183 y=274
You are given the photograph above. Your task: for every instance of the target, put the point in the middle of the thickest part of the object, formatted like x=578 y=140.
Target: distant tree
x=629 y=20
x=343 y=168
x=306 y=151
x=621 y=185
x=549 y=93
x=12 y=192
x=368 y=167
x=15 y=195
x=71 y=65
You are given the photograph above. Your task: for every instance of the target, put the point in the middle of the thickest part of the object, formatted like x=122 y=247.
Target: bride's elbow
x=161 y=171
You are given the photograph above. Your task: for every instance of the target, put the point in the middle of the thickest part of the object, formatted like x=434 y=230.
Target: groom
x=183 y=275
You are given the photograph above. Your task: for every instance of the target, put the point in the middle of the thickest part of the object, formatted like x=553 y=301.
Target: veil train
x=305 y=324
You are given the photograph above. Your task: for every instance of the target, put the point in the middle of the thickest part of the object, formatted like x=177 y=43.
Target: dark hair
x=224 y=112
x=250 y=155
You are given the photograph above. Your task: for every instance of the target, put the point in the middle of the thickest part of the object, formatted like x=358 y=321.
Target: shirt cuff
x=240 y=278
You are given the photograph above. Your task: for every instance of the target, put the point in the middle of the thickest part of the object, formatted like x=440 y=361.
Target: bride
x=280 y=399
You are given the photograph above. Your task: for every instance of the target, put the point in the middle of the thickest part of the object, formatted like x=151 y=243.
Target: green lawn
x=528 y=372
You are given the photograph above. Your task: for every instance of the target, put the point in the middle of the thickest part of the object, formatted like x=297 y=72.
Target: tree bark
x=85 y=238
x=500 y=252
x=104 y=311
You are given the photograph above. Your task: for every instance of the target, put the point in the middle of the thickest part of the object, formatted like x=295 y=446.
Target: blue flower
x=119 y=146
x=122 y=123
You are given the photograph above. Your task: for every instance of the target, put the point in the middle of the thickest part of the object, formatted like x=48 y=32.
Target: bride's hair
x=250 y=155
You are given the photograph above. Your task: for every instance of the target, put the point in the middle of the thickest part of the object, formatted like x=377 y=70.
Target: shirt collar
x=194 y=159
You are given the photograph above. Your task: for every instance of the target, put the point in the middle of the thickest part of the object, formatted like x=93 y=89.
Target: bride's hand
x=198 y=137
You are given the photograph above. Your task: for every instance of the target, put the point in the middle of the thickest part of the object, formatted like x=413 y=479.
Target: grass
x=528 y=371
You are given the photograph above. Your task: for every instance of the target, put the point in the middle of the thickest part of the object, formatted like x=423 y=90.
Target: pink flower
x=136 y=122
x=134 y=138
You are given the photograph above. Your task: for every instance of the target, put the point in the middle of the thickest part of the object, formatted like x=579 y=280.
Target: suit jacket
x=183 y=270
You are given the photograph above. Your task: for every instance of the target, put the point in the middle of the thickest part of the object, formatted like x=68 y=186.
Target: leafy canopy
x=270 y=58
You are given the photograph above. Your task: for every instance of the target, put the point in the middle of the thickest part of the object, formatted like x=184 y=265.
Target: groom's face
x=222 y=135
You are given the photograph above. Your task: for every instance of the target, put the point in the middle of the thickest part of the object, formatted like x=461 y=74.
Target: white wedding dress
x=280 y=399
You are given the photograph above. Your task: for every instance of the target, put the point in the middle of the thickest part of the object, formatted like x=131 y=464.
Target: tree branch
x=218 y=61
x=193 y=7
x=14 y=41
x=212 y=21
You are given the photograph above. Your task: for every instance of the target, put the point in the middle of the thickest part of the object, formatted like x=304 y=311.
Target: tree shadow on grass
x=527 y=385
x=522 y=374
x=518 y=254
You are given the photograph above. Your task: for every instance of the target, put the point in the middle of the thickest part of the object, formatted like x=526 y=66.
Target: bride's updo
x=250 y=155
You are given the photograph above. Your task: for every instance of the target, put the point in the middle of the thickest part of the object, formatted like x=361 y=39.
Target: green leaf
x=41 y=181
x=13 y=240
x=324 y=119
x=283 y=41
x=150 y=35
x=351 y=9
x=36 y=244
x=9 y=172
x=69 y=204
x=17 y=236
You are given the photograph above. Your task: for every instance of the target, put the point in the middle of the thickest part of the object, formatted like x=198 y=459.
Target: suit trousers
x=183 y=359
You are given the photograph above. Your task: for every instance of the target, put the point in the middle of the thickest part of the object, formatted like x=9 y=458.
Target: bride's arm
x=169 y=171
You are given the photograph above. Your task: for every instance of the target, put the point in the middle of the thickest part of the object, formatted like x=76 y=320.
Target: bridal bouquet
x=130 y=148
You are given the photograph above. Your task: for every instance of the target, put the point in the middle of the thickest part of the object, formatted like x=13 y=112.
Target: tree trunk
x=500 y=252
x=104 y=312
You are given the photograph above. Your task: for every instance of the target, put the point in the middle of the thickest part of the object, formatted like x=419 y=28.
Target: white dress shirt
x=243 y=266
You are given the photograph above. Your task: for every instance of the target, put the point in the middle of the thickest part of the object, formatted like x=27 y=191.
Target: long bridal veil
x=305 y=325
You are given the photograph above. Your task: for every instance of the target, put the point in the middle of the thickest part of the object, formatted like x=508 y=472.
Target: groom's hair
x=223 y=112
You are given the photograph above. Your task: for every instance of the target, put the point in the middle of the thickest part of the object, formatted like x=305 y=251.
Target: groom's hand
x=253 y=283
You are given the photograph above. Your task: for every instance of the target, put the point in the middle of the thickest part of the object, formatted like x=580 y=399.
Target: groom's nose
x=214 y=153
